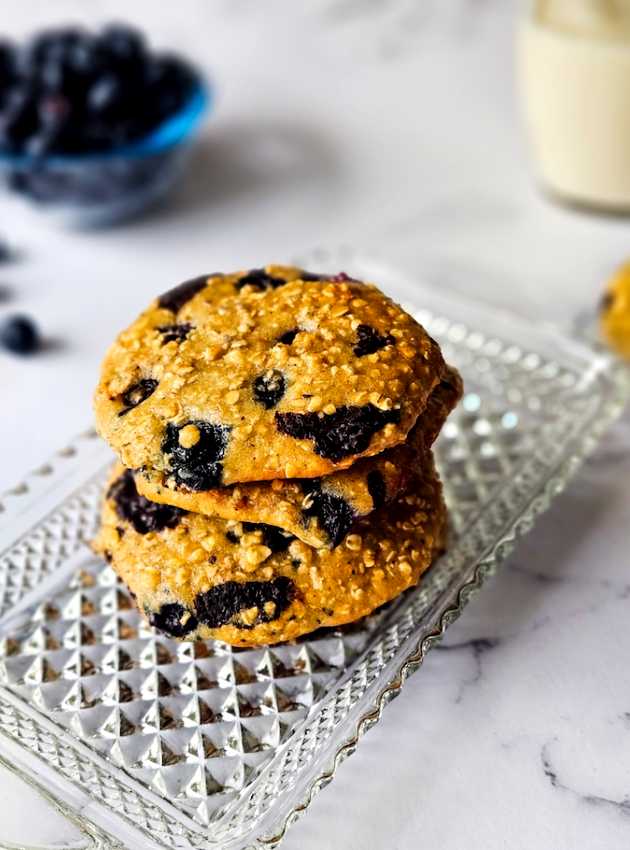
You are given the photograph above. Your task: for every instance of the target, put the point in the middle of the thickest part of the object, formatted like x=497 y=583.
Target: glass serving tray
x=143 y=742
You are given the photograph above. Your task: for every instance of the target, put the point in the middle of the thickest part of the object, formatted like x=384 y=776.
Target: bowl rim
x=173 y=130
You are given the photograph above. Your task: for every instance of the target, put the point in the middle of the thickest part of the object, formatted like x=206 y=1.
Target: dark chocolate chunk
x=176 y=332
x=260 y=280
x=370 y=340
x=333 y=512
x=137 y=393
x=376 y=488
x=219 y=605
x=274 y=538
x=345 y=432
x=269 y=388
x=197 y=467
x=175 y=298
x=169 y=620
x=143 y=515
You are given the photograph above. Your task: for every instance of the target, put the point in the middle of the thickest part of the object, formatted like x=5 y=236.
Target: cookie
x=319 y=511
x=274 y=373
x=197 y=577
x=615 y=312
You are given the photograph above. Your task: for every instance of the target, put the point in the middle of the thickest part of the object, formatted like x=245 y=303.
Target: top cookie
x=274 y=373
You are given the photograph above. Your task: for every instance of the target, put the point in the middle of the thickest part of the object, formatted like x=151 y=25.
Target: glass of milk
x=574 y=75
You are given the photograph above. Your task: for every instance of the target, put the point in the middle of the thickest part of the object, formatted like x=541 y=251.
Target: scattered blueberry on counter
x=5 y=251
x=19 y=334
x=70 y=91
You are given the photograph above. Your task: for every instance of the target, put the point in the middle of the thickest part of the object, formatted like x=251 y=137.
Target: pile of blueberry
x=69 y=91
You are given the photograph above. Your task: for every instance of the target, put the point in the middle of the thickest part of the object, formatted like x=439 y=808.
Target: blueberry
x=274 y=538
x=19 y=334
x=137 y=393
x=197 y=467
x=312 y=277
x=175 y=333
x=172 y=620
x=51 y=45
x=19 y=118
x=219 y=605
x=342 y=277
x=144 y=516
x=336 y=435
x=376 y=488
x=5 y=251
x=123 y=42
x=117 y=92
x=334 y=513
x=8 y=62
x=370 y=340
x=288 y=336
x=269 y=388
x=175 y=298
x=260 y=280
x=53 y=109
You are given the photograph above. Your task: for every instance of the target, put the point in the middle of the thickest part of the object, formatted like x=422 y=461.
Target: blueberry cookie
x=197 y=577
x=319 y=511
x=615 y=312
x=272 y=373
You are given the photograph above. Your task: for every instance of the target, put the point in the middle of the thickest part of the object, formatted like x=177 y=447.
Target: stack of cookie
x=274 y=429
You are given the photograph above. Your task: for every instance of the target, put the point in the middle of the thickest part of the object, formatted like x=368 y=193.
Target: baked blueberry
x=288 y=336
x=336 y=435
x=176 y=332
x=19 y=334
x=175 y=298
x=269 y=388
x=144 y=516
x=274 y=538
x=370 y=340
x=376 y=488
x=259 y=279
x=312 y=276
x=333 y=512
x=221 y=604
x=137 y=393
x=174 y=620
x=194 y=451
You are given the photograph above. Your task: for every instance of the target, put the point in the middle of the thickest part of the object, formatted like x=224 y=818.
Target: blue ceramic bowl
x=98 y=189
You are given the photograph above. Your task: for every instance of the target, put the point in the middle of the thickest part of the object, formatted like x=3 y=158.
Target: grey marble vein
x=621 y=806
x=478 y=647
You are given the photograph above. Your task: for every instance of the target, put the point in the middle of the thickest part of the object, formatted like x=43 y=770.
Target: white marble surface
x=390 y=125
